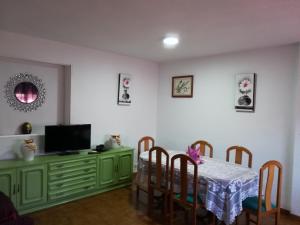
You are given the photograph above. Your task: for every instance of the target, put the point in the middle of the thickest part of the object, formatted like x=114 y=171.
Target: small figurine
x=26 y=128
x=117 y=138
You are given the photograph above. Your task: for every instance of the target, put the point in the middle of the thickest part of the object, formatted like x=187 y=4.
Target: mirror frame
x=12 y=99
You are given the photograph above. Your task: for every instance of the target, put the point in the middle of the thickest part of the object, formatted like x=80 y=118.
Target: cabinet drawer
x=71 y=164
x=73 y=181
x=71 y=191
x=64 y=174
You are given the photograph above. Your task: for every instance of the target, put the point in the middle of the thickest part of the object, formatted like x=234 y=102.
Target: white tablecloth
x=228 y=184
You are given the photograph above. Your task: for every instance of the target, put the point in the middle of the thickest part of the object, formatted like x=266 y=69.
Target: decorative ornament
x=28 y=149
x=26 y=128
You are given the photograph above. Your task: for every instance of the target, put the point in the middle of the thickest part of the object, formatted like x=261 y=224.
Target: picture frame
x=124 y=89
x=245 y=90
x=182 y=86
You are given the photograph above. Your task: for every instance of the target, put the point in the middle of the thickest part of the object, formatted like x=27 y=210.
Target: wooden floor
x=117 y=207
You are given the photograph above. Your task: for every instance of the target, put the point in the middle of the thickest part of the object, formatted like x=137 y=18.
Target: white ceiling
x=136 y=27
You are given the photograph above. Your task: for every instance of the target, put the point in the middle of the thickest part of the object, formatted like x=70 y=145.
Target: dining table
x=227 y=184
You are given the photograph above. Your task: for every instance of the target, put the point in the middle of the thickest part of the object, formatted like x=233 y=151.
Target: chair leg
x=171 y=208
x=248 y=218
x=277 y=218
x=186 y=216
x=165 y=209
x=150 y=201
x=194 y=216
x=213 y=219
x=137 y=192
x=259 y=220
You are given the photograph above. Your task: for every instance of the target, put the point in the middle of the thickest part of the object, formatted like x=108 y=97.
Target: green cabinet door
x=107 y=170
x=8 y=183
x=32 y=188
x=125 y=167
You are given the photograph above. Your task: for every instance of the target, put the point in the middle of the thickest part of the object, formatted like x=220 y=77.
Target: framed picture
x=182 y=86
x=124 y=94
x=245 y=85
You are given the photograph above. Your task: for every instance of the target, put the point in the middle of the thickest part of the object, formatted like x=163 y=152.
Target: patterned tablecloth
x=228 y=184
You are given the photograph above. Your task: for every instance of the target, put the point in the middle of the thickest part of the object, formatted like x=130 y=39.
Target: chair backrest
x=270 y=167
x=203 y=146
x=185 y=161
x=160 y=168
x=144 y=144
x=239 y=151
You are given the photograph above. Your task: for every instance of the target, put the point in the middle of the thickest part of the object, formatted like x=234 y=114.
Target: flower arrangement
x=195 y=154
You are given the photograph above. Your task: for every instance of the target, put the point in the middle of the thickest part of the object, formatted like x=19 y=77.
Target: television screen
x=67 y=137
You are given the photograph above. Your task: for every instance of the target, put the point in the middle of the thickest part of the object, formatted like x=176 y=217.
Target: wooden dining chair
x=203 y=145
x=183 y=198
x=144 y=144
x=158 y=177
x=239 y=151
x=261 y=206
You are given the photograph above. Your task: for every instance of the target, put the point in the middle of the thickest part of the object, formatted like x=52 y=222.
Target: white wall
x=210 y=114
x=295 y=204
x=94 y=84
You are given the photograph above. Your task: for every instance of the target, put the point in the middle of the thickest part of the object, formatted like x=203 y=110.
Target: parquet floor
x=118 y=207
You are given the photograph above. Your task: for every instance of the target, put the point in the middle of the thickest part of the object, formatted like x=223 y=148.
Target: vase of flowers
x=194 y=153
x=28 y=149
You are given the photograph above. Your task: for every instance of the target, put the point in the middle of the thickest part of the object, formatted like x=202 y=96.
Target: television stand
x=68 y=153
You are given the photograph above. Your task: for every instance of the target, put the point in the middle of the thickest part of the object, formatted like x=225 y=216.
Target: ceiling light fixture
x=170 y=41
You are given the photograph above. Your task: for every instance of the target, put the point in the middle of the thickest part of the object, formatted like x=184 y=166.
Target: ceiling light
x=170 y=41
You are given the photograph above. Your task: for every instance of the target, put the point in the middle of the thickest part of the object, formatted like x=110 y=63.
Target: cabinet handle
x=18 y=188
x=117 y=168
x=14 y=189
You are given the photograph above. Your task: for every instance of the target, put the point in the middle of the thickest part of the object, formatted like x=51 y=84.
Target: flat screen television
x=65 y=138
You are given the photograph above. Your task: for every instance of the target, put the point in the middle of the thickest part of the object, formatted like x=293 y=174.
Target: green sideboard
x=52 y=180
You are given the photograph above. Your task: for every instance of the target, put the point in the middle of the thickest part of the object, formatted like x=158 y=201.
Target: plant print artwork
x=182 y=86
x=124 y=95
x=245 y=90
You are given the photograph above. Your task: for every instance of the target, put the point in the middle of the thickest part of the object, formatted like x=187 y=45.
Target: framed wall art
x=124 y=91
x=182 y=86
x=245 y=85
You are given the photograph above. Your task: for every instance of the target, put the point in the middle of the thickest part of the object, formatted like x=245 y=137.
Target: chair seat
x=189 y=198
x=252 y=203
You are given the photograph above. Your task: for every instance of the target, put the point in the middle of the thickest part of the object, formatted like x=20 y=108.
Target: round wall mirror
x=26 y=92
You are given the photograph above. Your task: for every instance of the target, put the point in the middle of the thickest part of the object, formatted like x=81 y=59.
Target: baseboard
x=287 y=212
